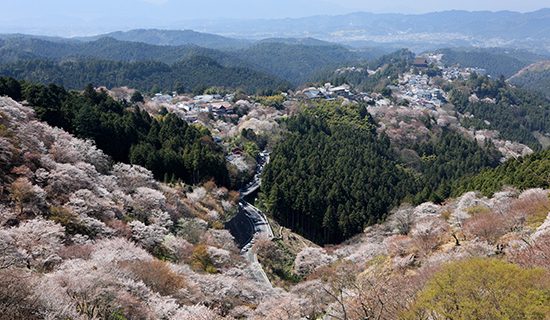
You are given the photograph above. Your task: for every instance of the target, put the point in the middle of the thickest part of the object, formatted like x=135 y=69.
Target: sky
x=83 y=17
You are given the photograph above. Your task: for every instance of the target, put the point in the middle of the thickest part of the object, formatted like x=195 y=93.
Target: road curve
x=249 y=222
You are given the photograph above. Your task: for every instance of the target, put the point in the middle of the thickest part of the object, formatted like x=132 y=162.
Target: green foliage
x=484 y=289
x=388 y=67
x=332 y=175
x=275 y=101
x=10 y=87
x=333 y=168
x=516 y=113
x=532 y=171
x=278 y=261
x=190 y=73
x=201 y=261
x=168 y=146
x=136 y=97
x=496 y=63
x=447 y=158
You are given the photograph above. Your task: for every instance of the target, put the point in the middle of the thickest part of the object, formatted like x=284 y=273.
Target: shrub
x=157 y=275
x=536 y=253
x=489 y=226
x=484 y=289
x=532 y=208
x=201 y=261
x=16 y=296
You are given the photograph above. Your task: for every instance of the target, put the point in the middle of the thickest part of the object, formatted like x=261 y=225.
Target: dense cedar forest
x=532 y=171
x=448 y=157
x=332 y=167
x=187 y=75
x=537 y=80
x=332 y=175
x=270 y=65
x=167 y=145
x=494 y=62
x=515 y=113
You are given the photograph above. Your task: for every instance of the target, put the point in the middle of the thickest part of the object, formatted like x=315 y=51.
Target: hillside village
x=117 y=223
x=414 y=95
x=87 y=249
x=275 y=160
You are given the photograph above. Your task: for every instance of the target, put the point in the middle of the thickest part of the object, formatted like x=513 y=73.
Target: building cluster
x=418 y=91
x=328 y=91
x=189 y=108
x=458 y=73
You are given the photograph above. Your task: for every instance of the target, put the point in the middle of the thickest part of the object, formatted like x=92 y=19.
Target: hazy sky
x=66 y=17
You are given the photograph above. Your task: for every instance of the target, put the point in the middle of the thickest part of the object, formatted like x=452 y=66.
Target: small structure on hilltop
x=420 y=62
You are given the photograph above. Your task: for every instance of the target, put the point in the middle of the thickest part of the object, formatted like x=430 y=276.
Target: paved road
x=249 y=222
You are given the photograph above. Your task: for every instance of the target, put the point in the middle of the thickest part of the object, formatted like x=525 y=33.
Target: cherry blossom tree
x=39 y=241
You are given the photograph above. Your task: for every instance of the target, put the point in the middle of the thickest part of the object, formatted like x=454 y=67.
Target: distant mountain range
x=297 y=51
x=173 y=38
x=420 y=32
x=277 y=60
x=496 y=61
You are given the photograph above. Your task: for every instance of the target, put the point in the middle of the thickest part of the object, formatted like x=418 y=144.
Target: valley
x=338 y=167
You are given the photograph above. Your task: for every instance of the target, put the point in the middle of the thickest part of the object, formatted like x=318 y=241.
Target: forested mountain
x=516 y=113
x=332 y=175
x=532 y=171
x=333 y=168
x=295 y=63
x=24 y=48
x=173 y=38
x=534 y=77
x=169 y=147
x=389 y=67
x=496 y=61
x=187 y=75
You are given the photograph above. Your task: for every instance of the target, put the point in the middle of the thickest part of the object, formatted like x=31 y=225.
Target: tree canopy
x=167 y=145
x=484 y=289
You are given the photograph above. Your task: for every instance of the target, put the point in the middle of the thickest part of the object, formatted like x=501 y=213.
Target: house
x=420 y=62
x=312 y=93
x=162 y=98
x=204 y=98
x=221 y=108
x=343 y=90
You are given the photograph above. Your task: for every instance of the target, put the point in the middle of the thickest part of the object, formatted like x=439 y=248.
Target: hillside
x=294 y=62
x=518 y=114
x=194 y=73
x=297 y=63
x=173 y=38
x=496 y=61
x=332 y=167
x=78 y=230
x=83 y=237
x=534 y=77
x=27 y=48
x=168 y=146
x=523 y=173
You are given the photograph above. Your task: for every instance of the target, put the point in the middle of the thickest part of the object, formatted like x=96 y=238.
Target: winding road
x=249 y=222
